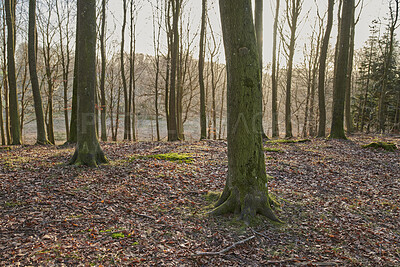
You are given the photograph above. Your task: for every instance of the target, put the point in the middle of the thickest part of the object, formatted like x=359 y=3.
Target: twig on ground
x=222 y=252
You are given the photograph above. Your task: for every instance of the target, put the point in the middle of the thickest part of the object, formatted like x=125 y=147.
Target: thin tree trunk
x=274 y=76
x=12 y=82
x=322 y=71
x=348 y=119
x=172 y=132
x=103 y=103
x=203 y=117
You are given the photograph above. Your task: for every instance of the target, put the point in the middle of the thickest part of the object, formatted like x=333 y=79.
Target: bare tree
x=322 y=71
x=203 y=117
x=337 y=129
x=274 y=75
x=394 y=16
x=12 y=82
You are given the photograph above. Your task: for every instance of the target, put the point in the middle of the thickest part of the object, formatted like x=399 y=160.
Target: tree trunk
x=40 y=125
x=73 y=129
x=246 y=191
x=12 y=82
x=322 y=71
x=337 y=129
x=275 y=128
x=103 y=103
x=88 y=151
x=382 y=99
x=127 y=120
x=203 y=116
x=2 y=132
x=348 y=119
x=172 y=131
x=258 y=24
x=295 y=12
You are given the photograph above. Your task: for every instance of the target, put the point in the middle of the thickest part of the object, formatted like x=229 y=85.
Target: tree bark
x=337 y=128
x=103 y=104
x=348 y=119
x=203 y=116
x=88 y=151
x=322 y=71
x=127 y=120
x=12 y=82
x=40 y=124
x=274 y=77
x=246 y=191
x=173 y=130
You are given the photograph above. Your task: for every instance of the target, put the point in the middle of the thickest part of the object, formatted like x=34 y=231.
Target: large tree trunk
x=12 y=82
x=339 y=90
x=275 y=128
x=103 y=103
x=88 y=151
x=37 y=99
x=322 y=70
x=246 y=189
x=203 y=116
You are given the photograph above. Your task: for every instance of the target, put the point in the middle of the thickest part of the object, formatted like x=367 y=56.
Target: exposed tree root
x=248 y=206
x=88 y=158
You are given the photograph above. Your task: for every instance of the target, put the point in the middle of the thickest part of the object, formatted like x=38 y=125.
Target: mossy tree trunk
x=88 y=151
x=12 y=81
x=41 y=130
x=339 y=90
x=322 y=71
x=246 y=191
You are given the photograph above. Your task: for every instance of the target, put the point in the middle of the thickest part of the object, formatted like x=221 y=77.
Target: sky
x=372 y=9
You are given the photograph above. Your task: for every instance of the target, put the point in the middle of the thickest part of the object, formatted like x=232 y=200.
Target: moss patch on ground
x=391 y=147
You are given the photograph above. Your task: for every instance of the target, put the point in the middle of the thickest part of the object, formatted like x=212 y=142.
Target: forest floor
x=340 y=204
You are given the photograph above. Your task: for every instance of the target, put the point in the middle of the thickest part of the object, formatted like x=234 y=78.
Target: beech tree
x=12 y=81
x=322 y=71
x=274 y=75
x=203 y=117
x=246 y=190
x=40 y=124
x=293 y=9
x=339 y=90
x=88 y=151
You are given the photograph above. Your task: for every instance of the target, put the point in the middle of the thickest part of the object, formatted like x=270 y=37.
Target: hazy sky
x=372 y=9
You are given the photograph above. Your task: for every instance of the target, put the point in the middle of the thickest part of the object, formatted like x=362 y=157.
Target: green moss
x=212 y=196
x=272 y=149
x=391 y=147
x=186 y=158
x=117 y=235
x=288 y=141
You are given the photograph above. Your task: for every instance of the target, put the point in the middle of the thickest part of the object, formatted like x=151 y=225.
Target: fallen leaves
x=340 y=204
